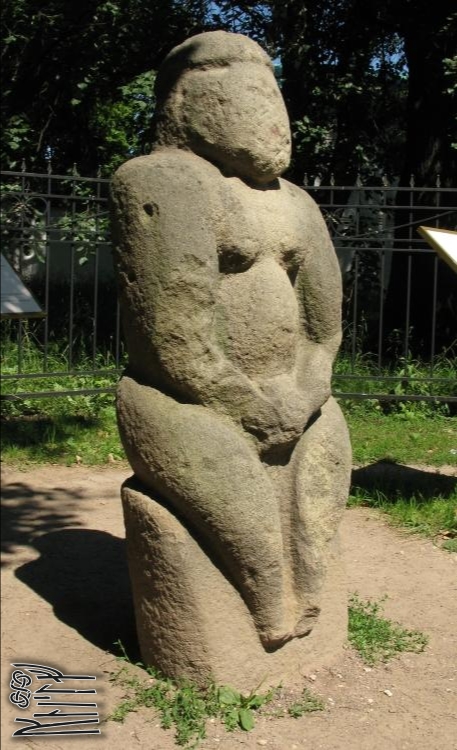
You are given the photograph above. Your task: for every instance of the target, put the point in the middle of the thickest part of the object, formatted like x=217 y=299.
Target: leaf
x=228 y=696
x=246 y=719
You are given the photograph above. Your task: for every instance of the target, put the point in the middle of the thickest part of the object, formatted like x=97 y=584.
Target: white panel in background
x=16 y=301
x=444 y=241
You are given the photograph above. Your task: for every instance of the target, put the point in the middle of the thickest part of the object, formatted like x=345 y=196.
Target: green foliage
x=376 y=638
x=183 y=705
x=25 y=231
x=430 y=514
x=71 y=69
x=403 y=376
x=123 y=125
x=406 y=437
x=65 y=65
x=63 y=429
x=307 y=704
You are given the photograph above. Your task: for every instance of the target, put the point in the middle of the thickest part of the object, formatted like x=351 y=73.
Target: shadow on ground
x=28 y=513
x=389 y=477
x=83 y=574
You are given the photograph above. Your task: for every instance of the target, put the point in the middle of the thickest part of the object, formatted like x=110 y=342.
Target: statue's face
x=235 y=116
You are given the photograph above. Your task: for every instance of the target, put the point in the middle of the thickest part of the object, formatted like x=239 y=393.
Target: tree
x=429 y=31
x=65 y=64
x=74 y=78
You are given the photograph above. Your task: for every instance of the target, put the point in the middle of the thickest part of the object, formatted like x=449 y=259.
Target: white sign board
x=16 y=301
x=444 y=241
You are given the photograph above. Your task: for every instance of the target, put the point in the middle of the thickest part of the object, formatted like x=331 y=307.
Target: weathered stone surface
x=193 y=623
x=231 y=296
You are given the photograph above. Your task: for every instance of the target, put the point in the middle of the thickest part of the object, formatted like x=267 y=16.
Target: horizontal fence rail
x=399 y=296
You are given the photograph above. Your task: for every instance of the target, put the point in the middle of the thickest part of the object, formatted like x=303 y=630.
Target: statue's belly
x=257 y=319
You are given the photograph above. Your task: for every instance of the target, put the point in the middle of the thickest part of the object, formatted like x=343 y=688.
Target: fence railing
x=399 y=297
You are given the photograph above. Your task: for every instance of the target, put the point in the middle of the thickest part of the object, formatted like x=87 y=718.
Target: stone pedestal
x=193 y=623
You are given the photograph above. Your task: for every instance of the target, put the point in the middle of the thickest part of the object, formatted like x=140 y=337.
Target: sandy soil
x=66 y=600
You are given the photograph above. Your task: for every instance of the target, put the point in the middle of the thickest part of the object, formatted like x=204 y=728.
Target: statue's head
x=217 y=96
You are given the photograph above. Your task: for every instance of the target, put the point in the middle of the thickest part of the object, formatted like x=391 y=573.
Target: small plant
x=429 y=514
x=450 y=545
x=376 y=638
x=306 y=705
x=184 y=705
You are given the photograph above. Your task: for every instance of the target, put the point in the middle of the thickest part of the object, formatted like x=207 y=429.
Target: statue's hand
x=282 y=413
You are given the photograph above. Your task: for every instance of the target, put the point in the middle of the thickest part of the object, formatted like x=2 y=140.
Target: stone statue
x=230 y=294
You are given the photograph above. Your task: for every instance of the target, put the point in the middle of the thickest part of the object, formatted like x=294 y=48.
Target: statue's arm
x=164 y=226
x=319 y=291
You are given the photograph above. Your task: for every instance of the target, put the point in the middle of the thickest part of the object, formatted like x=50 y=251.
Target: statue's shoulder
x=166 y=166
x=299 y=195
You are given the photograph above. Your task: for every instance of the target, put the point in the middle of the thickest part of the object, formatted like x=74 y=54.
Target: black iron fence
x=400 y=298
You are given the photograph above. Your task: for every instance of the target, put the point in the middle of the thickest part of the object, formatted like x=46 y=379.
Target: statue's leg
x=200 y=464
x=320 y=471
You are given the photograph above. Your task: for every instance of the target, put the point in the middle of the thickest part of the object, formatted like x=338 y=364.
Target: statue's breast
x=257 y=223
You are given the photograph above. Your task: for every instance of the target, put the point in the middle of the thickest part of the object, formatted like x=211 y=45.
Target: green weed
x=376 y=638
x=404 y=376
x=185 y=706
x=432 y=515
x=306 y=705
x=411 y=438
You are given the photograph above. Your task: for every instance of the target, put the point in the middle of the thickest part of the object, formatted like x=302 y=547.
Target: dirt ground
x=66 y=599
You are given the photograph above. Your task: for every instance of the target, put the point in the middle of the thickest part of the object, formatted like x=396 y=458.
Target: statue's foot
x=307 y=621
x=274 y=639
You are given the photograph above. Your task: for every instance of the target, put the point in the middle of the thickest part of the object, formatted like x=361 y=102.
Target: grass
x=434 y=516
x=377 y=639
x=184 y=706
x=307 y=704
x=406 y=437
x=88 y=436
x=82 y=429
x=187 y=708
x=404 y=376
x=66 y=429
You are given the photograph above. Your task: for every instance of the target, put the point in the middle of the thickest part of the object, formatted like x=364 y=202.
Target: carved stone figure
x=230 y=294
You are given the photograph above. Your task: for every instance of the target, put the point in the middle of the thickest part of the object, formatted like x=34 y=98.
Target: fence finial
x=358 y=180
x=385 y=180
x=49 y=170
x=332 y=179
x=412 y=181
x=99 y=170
x=438 y=180
x=74 y=171
x=23 y=166
x=305 y=179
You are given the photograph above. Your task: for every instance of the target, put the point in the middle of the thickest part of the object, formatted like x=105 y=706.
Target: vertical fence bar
x=381 y=311
x=72 y=272
x=47 y=266
x=408 y=305
x=96 y=273
x=355 y=312
x=118 y=334
x=20 y=331
x=434 y=300
x=410 y=267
